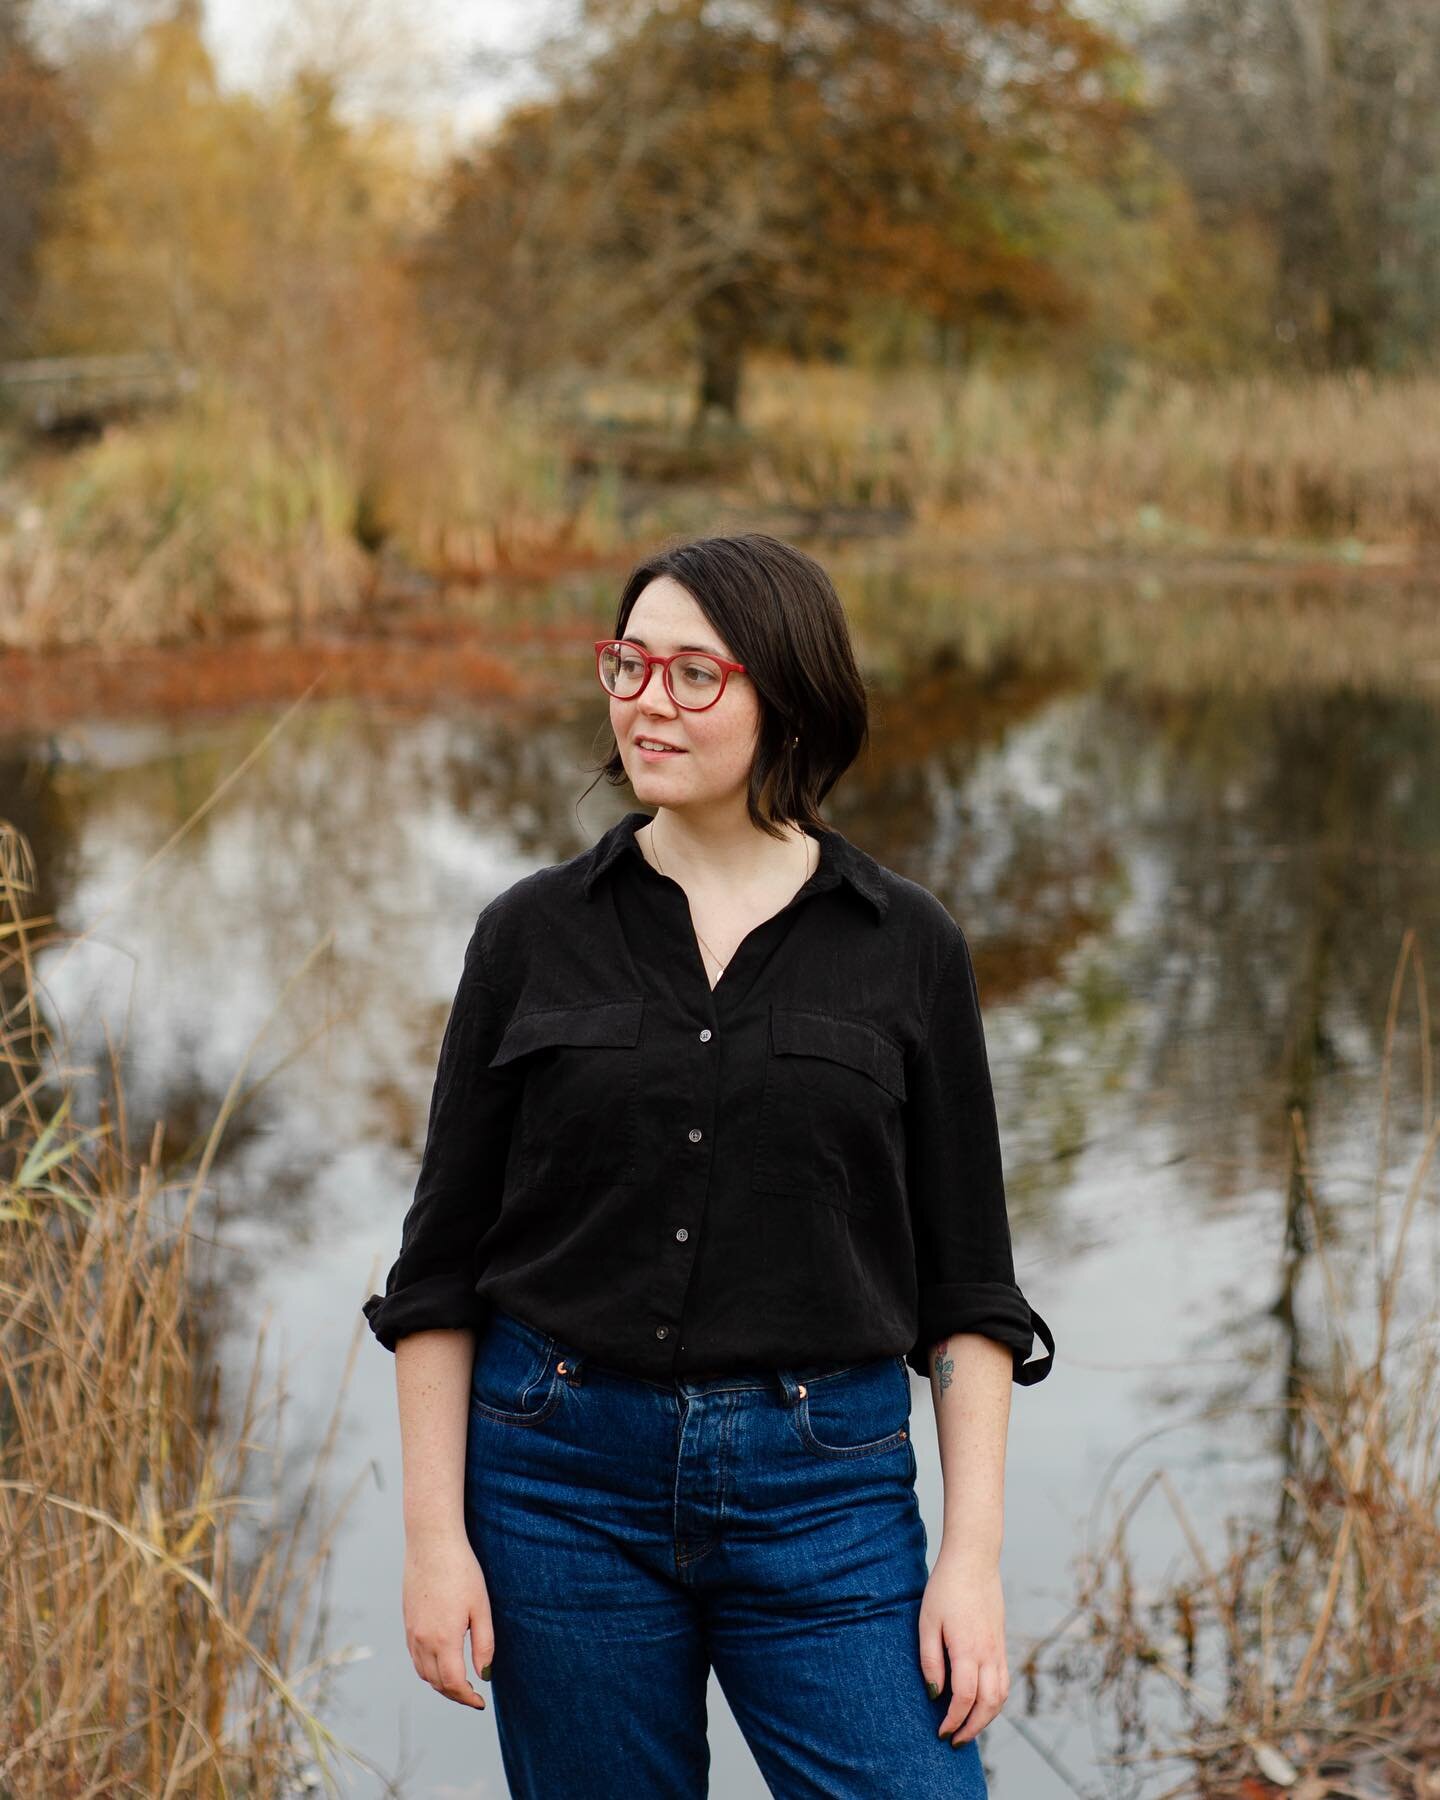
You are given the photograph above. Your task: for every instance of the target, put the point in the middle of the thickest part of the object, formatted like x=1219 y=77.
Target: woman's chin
x=647 y=778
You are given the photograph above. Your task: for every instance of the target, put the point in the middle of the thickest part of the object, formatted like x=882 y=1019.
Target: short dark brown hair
x=779 y=612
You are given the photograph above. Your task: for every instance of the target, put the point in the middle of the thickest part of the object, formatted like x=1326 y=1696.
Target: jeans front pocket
x=516 y=1378
x=860 y=1411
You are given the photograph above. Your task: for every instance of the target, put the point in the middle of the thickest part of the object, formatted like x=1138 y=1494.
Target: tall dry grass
x=1039 y=459
x=223 y=517
x=1305 y=1660
x=159 y=1631
x=180 y=527
x=215 y=520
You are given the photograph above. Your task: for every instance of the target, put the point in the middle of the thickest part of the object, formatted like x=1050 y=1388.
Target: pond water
x=1186 y=885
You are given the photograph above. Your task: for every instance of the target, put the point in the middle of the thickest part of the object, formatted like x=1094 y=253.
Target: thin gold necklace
x=722 y=963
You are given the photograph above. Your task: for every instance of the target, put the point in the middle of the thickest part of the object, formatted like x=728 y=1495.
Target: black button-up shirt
x=801 y=1165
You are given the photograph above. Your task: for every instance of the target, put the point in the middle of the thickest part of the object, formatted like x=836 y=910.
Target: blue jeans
x=634 y=1534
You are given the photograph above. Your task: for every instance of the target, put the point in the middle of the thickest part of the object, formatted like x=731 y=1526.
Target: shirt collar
x=840 y=860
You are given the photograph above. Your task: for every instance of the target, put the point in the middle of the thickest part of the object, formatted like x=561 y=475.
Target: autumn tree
x=1318 y=119
x=35 y=124
x=725 y=176
x=258 y=240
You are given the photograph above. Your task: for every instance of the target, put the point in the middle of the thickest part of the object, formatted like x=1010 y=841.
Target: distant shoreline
x=417 y=645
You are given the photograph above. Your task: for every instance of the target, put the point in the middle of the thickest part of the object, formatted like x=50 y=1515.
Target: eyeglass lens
x=692 y=680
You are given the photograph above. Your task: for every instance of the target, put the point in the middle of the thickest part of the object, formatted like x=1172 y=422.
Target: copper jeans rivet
x=560 y=1366
x=801 y=1390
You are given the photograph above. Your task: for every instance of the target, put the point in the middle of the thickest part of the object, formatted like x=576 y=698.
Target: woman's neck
x=726 y=852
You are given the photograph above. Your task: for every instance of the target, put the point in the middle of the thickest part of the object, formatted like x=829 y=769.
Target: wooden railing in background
x=60 y=393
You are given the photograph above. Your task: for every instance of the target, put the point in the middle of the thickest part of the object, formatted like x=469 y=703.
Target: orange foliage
x=743 y=177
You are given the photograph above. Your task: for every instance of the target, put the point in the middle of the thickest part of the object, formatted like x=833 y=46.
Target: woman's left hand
x=963 y=1612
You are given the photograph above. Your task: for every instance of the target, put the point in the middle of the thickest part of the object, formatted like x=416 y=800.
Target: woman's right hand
x=444 y=1596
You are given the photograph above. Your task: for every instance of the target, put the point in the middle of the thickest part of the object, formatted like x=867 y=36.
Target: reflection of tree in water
x=1304 y=839
x=1364 y=854
x=53 y=816
x=1031 y=891
x=31 y=802
x=1278 y=848
x=1246 y=869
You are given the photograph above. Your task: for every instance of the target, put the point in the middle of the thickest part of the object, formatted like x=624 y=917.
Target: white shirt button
x=696 y=1134
x=681 y=1235
x=662 y=1331
x=705 y=1035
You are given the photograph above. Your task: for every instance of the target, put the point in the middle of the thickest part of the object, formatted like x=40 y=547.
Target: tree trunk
x=720 y=328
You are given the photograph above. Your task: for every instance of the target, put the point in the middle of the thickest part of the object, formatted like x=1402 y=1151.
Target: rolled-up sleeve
x=462 y=1169
x=964 y=1269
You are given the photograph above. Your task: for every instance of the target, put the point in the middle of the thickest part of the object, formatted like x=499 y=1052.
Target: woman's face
x=713 y=747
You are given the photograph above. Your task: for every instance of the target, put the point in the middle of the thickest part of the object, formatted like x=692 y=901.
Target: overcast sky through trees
x=458 y=94
x=239 y=32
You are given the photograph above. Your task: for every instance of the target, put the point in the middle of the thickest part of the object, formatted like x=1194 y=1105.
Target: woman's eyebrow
x=708 y=649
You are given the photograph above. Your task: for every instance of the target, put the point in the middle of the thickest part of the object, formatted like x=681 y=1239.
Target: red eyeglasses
x=624 y=669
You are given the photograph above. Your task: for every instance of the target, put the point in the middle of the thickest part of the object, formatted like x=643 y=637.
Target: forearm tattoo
x=943 y=1365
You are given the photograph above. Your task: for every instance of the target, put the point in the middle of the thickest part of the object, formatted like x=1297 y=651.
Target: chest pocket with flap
x=832 y=1123
x=581 y=1091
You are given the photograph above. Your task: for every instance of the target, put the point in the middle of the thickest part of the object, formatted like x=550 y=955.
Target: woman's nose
x=655 y=696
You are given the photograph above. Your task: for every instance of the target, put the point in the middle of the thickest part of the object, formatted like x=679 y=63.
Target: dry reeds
x=213 y=520
x=220 y=518
x=158 y=1619
x=1306 y=1660
x=1039 y=457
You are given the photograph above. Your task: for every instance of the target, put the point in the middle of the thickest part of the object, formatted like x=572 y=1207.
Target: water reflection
x=1185 y=909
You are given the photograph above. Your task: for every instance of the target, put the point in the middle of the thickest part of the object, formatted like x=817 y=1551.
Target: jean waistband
x=788 y=1381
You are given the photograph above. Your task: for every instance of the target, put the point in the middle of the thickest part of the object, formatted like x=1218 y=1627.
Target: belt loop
x=791 y=1390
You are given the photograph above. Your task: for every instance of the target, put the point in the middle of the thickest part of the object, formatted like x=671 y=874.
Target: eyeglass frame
x=727 y=669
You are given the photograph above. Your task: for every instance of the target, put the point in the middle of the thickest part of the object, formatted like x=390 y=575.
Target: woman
x=712 y=1163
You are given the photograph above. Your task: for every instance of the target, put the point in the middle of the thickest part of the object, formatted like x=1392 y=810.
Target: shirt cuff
x=995 y=1309
x=439 y=1302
